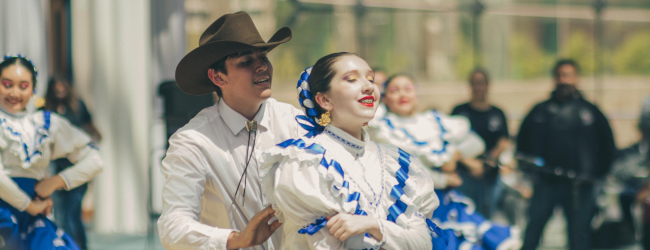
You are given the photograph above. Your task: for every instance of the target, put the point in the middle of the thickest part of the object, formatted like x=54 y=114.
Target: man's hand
x=47 y=186
x=342 y=226
x=38 y=206
x=256 y=232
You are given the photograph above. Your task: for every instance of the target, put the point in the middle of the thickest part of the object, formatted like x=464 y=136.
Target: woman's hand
x=47 y=186
x=38 y=206
x=475 y=167
x=450 y=166
x=453 y=180
x=342 y=226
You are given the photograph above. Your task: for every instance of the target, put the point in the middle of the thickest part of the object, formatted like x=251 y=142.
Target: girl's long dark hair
x=52 y=102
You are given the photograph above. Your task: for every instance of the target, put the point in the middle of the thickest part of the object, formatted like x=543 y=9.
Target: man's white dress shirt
x=202 y=168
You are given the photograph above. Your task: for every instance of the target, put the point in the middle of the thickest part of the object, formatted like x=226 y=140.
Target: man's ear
x=323 y=101
x=217 y=78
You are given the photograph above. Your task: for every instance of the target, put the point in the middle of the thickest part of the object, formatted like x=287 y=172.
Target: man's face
x=566 y=80
x=249 y=76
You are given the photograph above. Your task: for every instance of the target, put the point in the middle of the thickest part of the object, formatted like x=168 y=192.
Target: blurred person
x=490 y=123
x=61 y=99
x=212 y=197
x=626 y=185
x=28 y=142
x=380 y=79
x=440 y=142
x=575 y=142
x=338 y=96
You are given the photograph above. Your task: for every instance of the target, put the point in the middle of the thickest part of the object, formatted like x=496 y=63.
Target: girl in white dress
x=28 y=142
x=440 y=141
x=336 y=189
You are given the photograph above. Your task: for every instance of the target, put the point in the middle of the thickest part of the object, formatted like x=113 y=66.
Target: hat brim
x=192 y=70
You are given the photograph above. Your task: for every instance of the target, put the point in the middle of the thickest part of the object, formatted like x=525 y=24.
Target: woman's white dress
x=308 y=179
x=28 y=142
x=433 y=137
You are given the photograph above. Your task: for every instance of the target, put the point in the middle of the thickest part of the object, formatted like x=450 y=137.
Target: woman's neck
x=479 y=104
x=352 y=129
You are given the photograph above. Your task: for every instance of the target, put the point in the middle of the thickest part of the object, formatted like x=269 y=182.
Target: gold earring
x=325 y=119
x=39 y=102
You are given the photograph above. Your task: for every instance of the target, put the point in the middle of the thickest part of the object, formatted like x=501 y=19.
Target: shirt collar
x=351 y=144
x=236 y=122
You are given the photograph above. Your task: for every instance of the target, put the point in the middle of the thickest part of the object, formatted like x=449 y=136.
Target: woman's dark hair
x=563 y=62
x=477 y=71
x=321 y=76
x=22 y=62
x=52 y=102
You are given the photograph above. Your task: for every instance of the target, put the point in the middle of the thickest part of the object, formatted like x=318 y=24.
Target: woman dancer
x=28 y=141
x=336 y=189
x=440 y=141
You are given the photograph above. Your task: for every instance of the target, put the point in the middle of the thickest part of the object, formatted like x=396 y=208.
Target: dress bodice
x=307 y=179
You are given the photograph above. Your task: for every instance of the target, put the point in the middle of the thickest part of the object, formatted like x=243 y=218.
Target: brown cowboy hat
x=229 y=34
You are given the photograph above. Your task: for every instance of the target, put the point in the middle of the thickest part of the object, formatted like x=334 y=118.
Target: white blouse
x=309 y=178
x=432 y=136
x=28 y=142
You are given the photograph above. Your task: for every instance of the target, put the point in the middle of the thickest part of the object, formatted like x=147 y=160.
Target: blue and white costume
x=27 y=144
x=308 y=179
x=433 y=137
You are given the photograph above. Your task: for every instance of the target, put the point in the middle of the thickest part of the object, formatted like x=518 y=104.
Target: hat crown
x=236 y=27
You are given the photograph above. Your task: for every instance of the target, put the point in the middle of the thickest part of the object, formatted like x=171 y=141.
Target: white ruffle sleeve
x=72 y=143
x=432 y=136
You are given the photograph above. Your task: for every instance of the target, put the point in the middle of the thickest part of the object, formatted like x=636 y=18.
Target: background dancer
x=28 y=142
x=440 y=142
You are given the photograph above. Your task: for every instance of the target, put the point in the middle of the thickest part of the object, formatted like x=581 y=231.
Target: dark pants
x=485 y=192
x=67 y=213
x=578 y=204
x=67 y=207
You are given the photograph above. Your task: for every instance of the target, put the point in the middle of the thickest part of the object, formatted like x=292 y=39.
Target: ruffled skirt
x=466 y=229
x=21 y=231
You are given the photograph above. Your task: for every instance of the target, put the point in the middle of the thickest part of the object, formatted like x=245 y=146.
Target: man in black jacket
x=576 y=144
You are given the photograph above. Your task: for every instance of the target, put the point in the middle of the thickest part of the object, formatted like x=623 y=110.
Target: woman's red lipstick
x=368 y=101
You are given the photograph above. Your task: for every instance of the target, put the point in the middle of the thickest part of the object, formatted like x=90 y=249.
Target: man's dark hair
x=476 y=71
x=563 y=62
x=220 y=66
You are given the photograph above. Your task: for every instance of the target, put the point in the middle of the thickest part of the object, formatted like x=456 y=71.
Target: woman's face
x=353 y=96
x=17 y=88
x=60 y=90
x=400 y=96
x=479 y=86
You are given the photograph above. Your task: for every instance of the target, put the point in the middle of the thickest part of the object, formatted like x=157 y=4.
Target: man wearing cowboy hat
x=212 y=197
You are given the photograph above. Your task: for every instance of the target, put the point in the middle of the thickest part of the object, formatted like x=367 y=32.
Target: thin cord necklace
x=251 y=126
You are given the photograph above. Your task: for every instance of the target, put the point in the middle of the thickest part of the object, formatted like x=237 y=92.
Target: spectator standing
x=575 y=141
x=60 y=99
x=489 y=122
